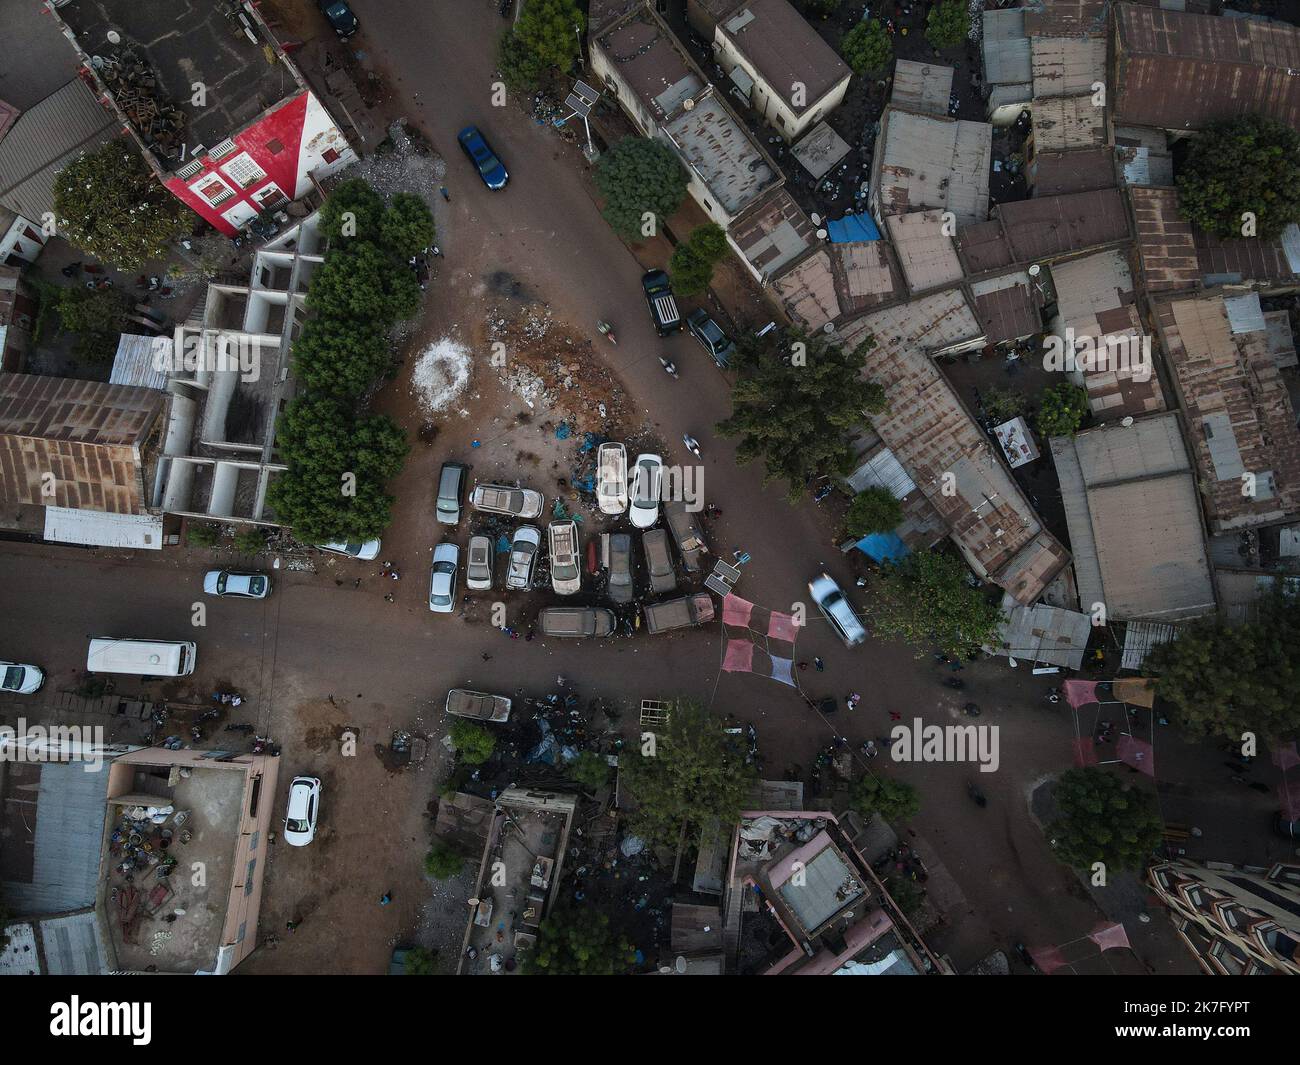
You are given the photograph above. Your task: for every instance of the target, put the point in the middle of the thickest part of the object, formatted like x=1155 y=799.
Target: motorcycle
x=972 y=710
x=607 y=331
x=669 y=367
x=956 y=683
x=976 y=795
x=692 y=445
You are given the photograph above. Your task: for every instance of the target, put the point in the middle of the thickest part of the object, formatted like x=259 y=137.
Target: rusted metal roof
x=925 y=252
x=1081 y=170
x=1006 y=307
x=1165 y=244
x=984 y=246
x=1178 y=70
x=1065 y=18
x=1244 y=259
x=1238 y=412
x=928 y=161
x=773 y=233
x=71 y=443
x=1062 y=122
x=838 y=280
x=922 y=87
x=785 y=51
x=1067 y=66
x=1049 y=226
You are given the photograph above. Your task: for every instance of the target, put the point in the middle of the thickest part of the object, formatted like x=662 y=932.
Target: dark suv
x=704 y=329
x=663 y=307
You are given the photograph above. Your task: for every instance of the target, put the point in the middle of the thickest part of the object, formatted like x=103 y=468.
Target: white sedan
x=224 y=582
x=304 y=807
x=366 y=551
x=20 y=678
x=837 y=610
x=442 y=582
x=647 y=486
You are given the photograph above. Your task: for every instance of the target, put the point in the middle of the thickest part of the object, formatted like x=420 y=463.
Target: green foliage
x=322 y=441
x=873 y=510
x=589 y=769
x=1062 y=409
x=820 y=8
x=202 y=534
x=83 y=310
x=339 y=357
x=690 y=776
x=362 y=284
x=694 y=258
x=948 y=24
x=543 y=43
x=250 y=541
x=573 y=943
x=639 y=176
x=1241 y=167
x=795 y=404
x=443 y=862
x=1223 y=681
x=925 y=600
x=1104 y=820
x=420 y=962
x=353 y=211
x=474 y=743
x=111 y=206
x=893 y=800
x=1003 y=404
x=906 y=895
x=407 y=227
x=867 y=47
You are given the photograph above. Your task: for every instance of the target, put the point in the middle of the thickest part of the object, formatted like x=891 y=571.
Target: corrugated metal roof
x=1062 y=122
x=1080 y=170
x=882 y=470
x=773 y=234
x=1165 y=243
x=1048 y=226
x=808 y=291
x=1045 y=635
x=927 y=161
x=925 y=253
x=1067 y=66
x=1006 y=48
x=43 y=140
x=922 y=87
x=1245 y=315
x=1006 y=307
x=1065 y=18
x=1140 y=637
x=93 y=528
x=1145 y=166
x=142 y=361
x=74 y=946
x=820 y=150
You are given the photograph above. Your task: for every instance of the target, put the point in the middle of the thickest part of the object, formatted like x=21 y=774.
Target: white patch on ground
x=441 y=374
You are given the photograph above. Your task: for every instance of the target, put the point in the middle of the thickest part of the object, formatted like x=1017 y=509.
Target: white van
x=144 y=658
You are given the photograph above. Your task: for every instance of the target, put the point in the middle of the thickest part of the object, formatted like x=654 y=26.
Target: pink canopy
x=1110 y=937
x=736 y=611
x=1284 y=757
x=1085 y=751
x=1080 y=692
x=1136 y=753
x=739 y=657
x=1048 y=959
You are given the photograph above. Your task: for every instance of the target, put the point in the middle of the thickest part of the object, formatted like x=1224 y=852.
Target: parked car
x=442 y=581
x=451 y=491
x=658 y=562
x=664 y=315
x=524 y=546
x=686 y=533
x=678 y=613
x=618 y=560
x=611 y=478
x=304 y=808
x=340 y=17
x=1286 y=827
x=478 y=563
x=576 y=621
x=646 y=487
x=21 y=679
x=710 y=335
x=502 y=499
x=837 y=610
x=364 y=550
x=224 y=582
x=489 y=167
x=566 y=570
x=478 y=705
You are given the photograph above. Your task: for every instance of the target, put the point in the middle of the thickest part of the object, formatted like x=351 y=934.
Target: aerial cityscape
x=650 y=487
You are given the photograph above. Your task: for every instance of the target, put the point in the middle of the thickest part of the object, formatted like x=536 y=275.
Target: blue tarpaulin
x=852 y=227
x=883 y=547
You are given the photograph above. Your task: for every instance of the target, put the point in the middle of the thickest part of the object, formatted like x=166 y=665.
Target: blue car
x=340 y=17
x=490 y=168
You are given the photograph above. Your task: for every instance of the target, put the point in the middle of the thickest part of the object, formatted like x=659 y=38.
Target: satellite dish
x=816 y=218
x=1035 y=270
x=1126 y=422
x=114 y=37
x=822 y=234
x=1012 y=662
x=688 y=104
x=829 y=327
x=680 y=964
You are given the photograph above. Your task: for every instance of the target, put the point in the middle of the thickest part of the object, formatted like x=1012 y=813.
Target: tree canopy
x=361 y=283
x=407 y=226
x=578 y=943
x=925 y=600
x=873 y=510
x=795 y=404
x=692 y=777
x=339 y=357
x=867 y=47
x=947 y=24
x=640 y=176
x=353 y=211
x=693 y=260
x=443 y=862
x=1241 y=178
x=544 y=42
x=1104 y=819
x=111 y=206
x=1225 y=680
x=893 y=800
x=1061 y=409
x=474 y=743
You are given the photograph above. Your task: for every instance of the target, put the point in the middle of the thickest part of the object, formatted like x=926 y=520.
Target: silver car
x=478 y=564
x=619 y=561
x=502 y=499
x=442 y=581
x=566 y=571
x=837 y=610
x=524 y=548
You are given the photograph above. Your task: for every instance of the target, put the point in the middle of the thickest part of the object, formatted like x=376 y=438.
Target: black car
x=710 y=335
x=663 y=306
x=1287 y=827
x=340 y=17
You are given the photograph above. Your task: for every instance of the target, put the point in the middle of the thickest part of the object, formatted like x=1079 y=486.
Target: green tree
x=339 y=462
x=407 y=227
x=578 y=943
x=1061 y=409
x=353 y=210
x=873 y=510
x=250 y=541
x=820 y=8
x=1225 y=680
x=83 y=310
x=867 y=47
x=361 y=284
x=640 y=176
x=543 y=43
x=1103 y=819
x=420 y=962
x=948 y=24
x=906 y=895
x=111 y=206
x=202 y=534
x=340 y=357
x=794 y=405
x=694 y=258
x=926 y=600
x=474 y=744
x=690 y=776
x=589 y=769
x=444 y=862
x=893 y=800
x=1003 y=404
x=1241 y=178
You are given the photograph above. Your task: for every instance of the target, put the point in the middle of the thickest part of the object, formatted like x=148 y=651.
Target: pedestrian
x=530 y=634
x=821 y=666
x=445 y=194
x=803 y=665
x=71 y=270
x=955 y=665
x=486 y=657
x=385 y=898
x=292 y=926
x=394 y=574
x=894 y=715
x=357 y=583
x=389 y=598
x=436 y=251
x=236 y=699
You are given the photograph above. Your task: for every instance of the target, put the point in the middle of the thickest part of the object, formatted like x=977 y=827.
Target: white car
x=611 y=478
x=304 y=806
x=524 y=548
x=20 y=678
x=566 y=570
x=223 y=582
x=502 y=499
x=478 y=564
x=647 y=486
x=353 y=549
x=442 y=581
x=837 y=610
